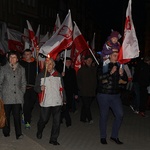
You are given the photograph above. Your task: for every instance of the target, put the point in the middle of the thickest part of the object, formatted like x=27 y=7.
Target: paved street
x=134 y=132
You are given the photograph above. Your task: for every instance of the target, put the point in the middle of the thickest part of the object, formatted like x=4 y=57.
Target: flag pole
x=94 y=56
x=65 y=60
x=37 y=60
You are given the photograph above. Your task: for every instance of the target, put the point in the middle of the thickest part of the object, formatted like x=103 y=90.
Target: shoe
x=19 y=137
x=132 y=108
x=143 y=114
x=54 y=142
x=27 y=126
x=122 y=81
x=91 y=122
x=6 y=135
x=22 y=118
x=103 y=141
x=136 y=112
x=39 y=135
x=116 y=140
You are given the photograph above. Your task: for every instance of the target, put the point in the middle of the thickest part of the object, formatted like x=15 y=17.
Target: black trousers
x=86 y=108
x=16 y=112
x=45 y=114
x=30 y=99
x=143 y=99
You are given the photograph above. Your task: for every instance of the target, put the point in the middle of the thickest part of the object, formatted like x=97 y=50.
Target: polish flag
x=79 y=44
x=57 y=24
x=37 y=35
x=62 y=39
x=14 y=40
x=32 y=38
x=130 y=47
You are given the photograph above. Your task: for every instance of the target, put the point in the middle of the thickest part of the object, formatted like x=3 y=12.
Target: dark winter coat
x=87 y=81
x=109 y=83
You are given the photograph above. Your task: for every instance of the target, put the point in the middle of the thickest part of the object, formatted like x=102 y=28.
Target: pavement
x=134 y=133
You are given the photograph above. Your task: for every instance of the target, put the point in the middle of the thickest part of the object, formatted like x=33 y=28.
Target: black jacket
x=30 y=71
x=107 y=83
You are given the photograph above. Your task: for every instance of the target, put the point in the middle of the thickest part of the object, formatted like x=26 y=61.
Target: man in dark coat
x=86 y=79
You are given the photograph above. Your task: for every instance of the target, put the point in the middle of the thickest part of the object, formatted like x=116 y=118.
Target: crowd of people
x=22 y=85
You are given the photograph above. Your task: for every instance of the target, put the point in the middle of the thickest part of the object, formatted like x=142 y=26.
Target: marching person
x=12 y=89
x=87 y=82
x=50 y=83
x=30 y=96
x=109 y=97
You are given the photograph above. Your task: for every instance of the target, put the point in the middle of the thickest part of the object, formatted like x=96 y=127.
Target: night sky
x=111 y=14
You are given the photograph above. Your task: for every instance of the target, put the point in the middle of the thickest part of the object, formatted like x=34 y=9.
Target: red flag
x=14 y=40
x=62 y=39
x=130 y=48
x=79 y=44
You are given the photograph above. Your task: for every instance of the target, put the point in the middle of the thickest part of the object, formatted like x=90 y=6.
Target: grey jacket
x=12 y=84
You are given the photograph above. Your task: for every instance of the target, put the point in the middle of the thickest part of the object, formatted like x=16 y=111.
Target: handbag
x=2 y=114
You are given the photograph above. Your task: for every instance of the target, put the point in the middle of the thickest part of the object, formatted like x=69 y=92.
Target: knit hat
x=115 y=34
x=68 y=58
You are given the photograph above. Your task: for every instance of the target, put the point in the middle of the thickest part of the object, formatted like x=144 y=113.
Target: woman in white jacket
x=49 y=84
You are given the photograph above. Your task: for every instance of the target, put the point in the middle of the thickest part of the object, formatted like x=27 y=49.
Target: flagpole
x=65 y=60
x=94 y=57
x=37 y=61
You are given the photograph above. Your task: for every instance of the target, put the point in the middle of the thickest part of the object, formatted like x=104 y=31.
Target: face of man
x=50 y=66
x=13 y=59
x=88 y=61
x=27 y=56
x=68 y=63
x=114 y=57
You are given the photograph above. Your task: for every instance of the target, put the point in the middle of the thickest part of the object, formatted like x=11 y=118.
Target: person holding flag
x=51 y=83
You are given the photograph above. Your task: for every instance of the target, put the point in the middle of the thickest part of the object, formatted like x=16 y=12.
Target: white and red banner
x=57 y=24
x=130 y=47
x=14 y=40
x=62 y=39
x=32 y=38
x=79 y=44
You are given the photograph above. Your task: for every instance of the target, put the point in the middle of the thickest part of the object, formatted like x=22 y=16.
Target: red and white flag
x=62 y=39
x=44 y=39
x=130 y=47
x=32 y=38
x=57 y=24
x=79 y=44
x=14 y=40
x=37 y=35
x=2 y=51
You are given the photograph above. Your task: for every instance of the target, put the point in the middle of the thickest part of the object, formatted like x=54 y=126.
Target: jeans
x=45 y=113
x=107 y=101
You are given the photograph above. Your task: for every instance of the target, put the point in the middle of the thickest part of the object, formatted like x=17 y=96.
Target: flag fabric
x=37 y=35
x=32 y=38
x=57 y=24
x=79 y=44
x=14 y=40
x=78 y=63
x=62 y=39
x=44 y=39
x=130 y=47
x=2 y=51
x=93 y=44
x=25 y=38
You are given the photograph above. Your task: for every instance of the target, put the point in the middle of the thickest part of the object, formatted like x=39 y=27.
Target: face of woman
x=13 y=59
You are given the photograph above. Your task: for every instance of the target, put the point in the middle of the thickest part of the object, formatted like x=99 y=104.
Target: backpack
x=2 y=115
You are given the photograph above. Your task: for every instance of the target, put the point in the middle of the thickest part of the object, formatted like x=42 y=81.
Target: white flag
x=130 y=47
x=61 y=40
x=57 y=24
